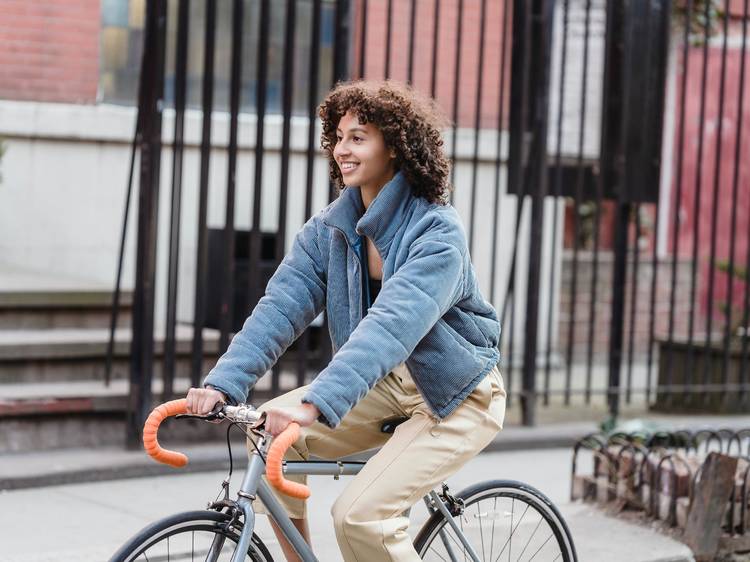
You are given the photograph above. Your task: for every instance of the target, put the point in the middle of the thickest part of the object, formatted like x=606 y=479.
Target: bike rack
x=657 y=473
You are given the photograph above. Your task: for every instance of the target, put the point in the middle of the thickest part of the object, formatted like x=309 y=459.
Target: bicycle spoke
x=492 y=542
x=510 y=537
x=447 y=545
x=541 y=547
x=523 y=523
x=192 y=547
x=530 y=537
x=512 y=530
x=461 y=522
x=215 y=549
x=436 y=552
x=458 y=543
x=481 y=534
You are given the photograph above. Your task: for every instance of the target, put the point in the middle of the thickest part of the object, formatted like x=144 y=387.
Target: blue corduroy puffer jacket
x=429 y=313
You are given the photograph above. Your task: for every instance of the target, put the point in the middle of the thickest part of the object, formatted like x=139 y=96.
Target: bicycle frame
x=254 y=487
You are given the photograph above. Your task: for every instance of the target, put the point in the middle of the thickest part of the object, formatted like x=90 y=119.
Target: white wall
x=65 y=175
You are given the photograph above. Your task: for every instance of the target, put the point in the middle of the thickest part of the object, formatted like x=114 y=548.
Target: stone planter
x=689 y=364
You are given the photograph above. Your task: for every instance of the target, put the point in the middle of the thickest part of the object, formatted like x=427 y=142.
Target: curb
x=216 y=459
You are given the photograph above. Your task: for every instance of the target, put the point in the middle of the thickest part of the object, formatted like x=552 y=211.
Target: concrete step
x=64 y=415
x=63 y=355
x=33 y=310
x=77 y=414
x=41 y=300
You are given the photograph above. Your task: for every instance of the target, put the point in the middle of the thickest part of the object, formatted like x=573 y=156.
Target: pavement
x=68 y=466
x=87 y=522
x=93 y=499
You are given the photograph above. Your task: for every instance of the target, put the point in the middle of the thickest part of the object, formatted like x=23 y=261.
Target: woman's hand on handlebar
x=202 y=401
x=277 y=419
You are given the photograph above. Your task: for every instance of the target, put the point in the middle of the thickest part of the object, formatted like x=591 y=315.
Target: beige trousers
x=368 y=516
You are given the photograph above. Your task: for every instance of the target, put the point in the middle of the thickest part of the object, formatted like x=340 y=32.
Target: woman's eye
x=357 y=139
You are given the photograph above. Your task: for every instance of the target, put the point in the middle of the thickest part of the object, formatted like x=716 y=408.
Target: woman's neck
x=370 y=192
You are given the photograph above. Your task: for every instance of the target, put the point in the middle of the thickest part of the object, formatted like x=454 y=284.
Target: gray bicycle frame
x=253 y=486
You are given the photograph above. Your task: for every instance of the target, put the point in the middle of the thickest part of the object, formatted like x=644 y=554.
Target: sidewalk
x=87 y=522
x=66 y=466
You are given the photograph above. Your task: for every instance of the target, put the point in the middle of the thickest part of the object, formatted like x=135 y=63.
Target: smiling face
x=362 y=155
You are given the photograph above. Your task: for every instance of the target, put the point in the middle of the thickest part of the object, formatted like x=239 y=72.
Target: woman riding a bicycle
x=412 y=335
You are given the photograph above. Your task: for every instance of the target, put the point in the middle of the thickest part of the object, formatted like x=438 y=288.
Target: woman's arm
x=408 y=306
x=295 y=295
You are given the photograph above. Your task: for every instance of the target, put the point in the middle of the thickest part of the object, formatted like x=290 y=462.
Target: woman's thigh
x=358 y=431
x=423 y=452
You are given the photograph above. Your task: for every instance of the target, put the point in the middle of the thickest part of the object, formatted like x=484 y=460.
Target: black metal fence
x=572 y=144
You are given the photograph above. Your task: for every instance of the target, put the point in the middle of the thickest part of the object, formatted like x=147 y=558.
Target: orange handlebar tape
x=274 y=471
x=151 y=427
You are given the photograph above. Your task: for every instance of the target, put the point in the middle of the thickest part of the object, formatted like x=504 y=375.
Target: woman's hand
x=202 y=401
x=277 y=419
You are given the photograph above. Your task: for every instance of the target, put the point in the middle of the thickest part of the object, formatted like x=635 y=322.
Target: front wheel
x=502 y=520
x=192 y=535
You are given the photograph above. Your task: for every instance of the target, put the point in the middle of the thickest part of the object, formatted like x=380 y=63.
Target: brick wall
x=50 y=50
x=699 y=177
x=581 y=301
x=375 y=52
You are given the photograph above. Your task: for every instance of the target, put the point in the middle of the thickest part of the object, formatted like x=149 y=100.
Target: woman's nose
x=340 y=149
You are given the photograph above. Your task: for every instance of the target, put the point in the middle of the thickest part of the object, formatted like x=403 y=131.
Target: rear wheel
x=190 y=536
x=502 y=520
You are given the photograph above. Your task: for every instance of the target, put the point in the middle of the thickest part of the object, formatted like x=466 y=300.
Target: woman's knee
x=347 y=514
x=338 y=513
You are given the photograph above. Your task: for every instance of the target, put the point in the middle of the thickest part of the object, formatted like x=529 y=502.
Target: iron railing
x=557 y=106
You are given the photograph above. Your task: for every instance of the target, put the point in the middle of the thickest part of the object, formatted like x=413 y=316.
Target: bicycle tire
x=156 y=540
x=429 y=543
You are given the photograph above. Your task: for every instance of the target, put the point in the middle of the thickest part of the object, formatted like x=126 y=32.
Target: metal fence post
x=142 y=348
x=342 y=39
x=613 y=156
x=542 y=12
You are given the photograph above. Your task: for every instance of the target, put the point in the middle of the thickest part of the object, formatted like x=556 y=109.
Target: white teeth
x=348 y=165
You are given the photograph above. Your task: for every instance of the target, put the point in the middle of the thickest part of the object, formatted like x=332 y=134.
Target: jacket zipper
x=437 y=418
x=359 y=264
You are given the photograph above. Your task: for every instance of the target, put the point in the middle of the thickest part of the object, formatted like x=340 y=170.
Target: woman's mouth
x=348 y=167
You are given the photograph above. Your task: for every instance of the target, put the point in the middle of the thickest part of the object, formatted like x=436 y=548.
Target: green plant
x=587 y=224
x=705 y=16
x=735 y=314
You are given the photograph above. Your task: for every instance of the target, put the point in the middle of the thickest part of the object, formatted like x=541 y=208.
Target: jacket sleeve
x=410 y=303
x=294 y=296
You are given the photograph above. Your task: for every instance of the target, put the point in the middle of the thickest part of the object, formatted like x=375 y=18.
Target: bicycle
x=460 y=526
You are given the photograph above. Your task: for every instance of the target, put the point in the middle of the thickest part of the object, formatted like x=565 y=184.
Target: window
x=122 y=45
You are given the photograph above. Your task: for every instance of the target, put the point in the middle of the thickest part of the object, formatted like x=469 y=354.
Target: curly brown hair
x=410 y=123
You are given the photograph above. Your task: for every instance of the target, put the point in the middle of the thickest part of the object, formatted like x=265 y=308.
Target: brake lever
x=213 y=416
x=216 y=414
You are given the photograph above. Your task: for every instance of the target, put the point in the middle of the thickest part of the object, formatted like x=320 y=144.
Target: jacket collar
x=383 y=217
